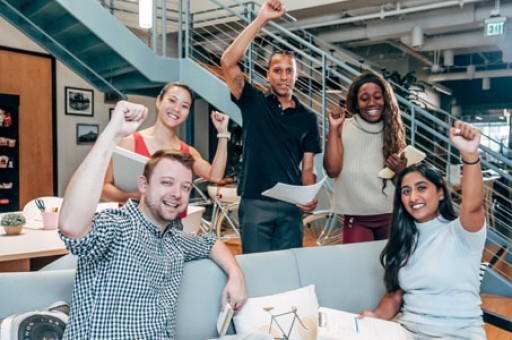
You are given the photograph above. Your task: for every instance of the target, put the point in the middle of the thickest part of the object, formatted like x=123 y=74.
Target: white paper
x=337 y=324
x=128 y=166
x=295 y=194
x=413 y=156
x=224 y=319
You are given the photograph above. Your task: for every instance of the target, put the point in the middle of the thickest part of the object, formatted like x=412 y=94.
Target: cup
x=50 y=219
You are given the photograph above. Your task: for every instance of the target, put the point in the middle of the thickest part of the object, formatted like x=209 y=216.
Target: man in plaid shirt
x=131 y=259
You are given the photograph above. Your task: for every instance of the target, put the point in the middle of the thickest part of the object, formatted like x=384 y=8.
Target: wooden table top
x=29 y=244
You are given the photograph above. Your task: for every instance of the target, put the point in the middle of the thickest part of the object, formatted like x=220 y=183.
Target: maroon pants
x=366 y=228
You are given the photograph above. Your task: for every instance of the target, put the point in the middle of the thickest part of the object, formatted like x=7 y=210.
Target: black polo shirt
x=274 y=141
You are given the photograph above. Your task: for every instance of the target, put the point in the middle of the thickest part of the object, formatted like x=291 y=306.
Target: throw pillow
x=292 y=314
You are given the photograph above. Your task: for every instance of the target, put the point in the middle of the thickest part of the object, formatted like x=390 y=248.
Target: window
x=495 y=135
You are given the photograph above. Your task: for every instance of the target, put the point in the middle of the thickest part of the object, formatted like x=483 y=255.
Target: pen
x=357 y=324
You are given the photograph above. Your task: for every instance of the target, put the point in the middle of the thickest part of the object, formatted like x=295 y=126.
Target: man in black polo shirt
x=278 y=134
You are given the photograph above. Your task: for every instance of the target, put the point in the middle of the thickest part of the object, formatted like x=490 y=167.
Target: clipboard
x=128 y=166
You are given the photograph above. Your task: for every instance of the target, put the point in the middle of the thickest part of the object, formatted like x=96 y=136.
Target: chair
x=31 y=211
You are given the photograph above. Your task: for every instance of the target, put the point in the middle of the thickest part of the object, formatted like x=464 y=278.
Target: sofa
x=347 y=277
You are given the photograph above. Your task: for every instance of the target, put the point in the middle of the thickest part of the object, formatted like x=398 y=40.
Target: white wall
x=69 y=154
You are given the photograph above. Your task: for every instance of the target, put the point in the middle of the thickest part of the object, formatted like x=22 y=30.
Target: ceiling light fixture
x=417 y=36
x=146 y=13
x=448 y=58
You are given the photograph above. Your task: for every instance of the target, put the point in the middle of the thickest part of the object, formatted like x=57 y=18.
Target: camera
x=46 y=324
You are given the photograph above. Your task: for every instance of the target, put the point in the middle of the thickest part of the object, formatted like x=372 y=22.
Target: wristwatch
x=224 y=135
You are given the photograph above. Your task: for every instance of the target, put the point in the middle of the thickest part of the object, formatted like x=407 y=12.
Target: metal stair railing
x=426 y=130
x=323 y=69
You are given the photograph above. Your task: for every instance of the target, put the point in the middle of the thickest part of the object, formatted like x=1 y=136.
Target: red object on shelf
x=4 y=201
x=7 y=119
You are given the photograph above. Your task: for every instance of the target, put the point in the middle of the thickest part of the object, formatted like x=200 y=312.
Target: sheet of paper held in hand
x=128 y=166
x=335 y=325
x=296 y=194
x=413 y=156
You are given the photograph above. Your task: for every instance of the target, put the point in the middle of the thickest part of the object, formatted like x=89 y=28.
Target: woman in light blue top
x=432 y=257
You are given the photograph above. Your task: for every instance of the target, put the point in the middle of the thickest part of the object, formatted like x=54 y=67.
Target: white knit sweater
x=358 y=189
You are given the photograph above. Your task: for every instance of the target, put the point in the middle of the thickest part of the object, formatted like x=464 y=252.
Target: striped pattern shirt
x=128 y=276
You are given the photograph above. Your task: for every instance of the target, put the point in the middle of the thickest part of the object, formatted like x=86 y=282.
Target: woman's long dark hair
x=403 y=235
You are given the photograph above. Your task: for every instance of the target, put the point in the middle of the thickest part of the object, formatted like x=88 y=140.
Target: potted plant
x=13 y=223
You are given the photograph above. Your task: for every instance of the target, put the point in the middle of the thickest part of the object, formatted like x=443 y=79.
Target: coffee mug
x=50 y=219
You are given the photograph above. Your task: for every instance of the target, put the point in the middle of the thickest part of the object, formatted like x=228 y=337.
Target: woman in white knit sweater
x=357 y=149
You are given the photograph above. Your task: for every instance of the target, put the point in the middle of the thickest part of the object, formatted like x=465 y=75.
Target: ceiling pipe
x=410 y=51
x=378 y=15
x=461 y=41
x=446 y=21
x=464 y=75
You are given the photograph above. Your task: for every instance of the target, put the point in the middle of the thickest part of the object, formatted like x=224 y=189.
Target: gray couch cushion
x=347 y=277
x=199 y=300
x=270 y=273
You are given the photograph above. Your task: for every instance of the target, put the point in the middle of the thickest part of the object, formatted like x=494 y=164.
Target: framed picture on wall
x=79 y=102
x=87 y=133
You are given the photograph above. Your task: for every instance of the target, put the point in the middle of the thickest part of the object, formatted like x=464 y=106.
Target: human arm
x=84 y=189
x=214 y=172
x=235 y=291
x=333 y=157
x=308 y=178
x=388 y=306
x=466 y=139
x=233 y=75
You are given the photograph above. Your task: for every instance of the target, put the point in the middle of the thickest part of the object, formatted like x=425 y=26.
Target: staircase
x=93 y=43
x=87 y=37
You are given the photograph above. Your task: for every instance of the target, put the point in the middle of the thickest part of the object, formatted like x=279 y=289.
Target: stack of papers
x=335 y=325
x=224 y=319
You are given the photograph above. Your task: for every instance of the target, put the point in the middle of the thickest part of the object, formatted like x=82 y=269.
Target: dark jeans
x=366 y=228
x=269 y=225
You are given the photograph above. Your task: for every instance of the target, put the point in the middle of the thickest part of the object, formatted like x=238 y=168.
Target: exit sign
x=495 y=26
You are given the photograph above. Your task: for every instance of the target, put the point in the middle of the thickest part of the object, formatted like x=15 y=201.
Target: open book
x=335 y=324
x=128 y=166
x=295 y=194
x=413 y=156
x=224 y=319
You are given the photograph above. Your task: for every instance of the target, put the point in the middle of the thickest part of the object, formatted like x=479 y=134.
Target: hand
x=127 y=118
x=272 y=9
x=308 y=207
x=235 y=292
x=396 y=162
x=466 y=138
x=336 y=118
x=366 y=313
x=220 y=121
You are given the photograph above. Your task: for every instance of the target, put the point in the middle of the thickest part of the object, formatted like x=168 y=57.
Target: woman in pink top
x=173 y=105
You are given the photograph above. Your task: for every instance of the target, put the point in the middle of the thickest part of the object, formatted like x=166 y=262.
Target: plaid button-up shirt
x=128 y=276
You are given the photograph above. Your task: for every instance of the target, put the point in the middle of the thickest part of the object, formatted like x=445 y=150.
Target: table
x=19 y=253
